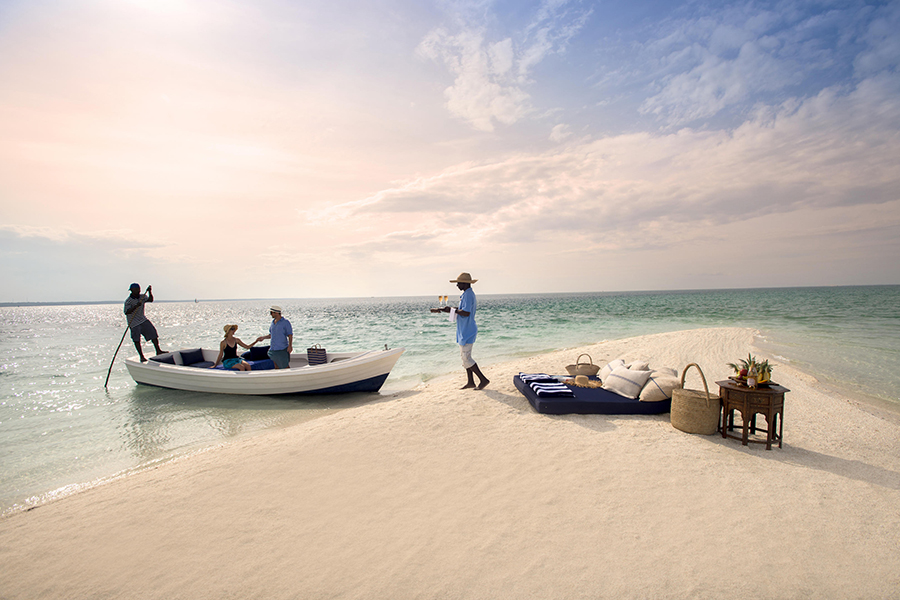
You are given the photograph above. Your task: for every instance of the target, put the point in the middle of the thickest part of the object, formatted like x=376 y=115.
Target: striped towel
x=537 y=377
x=554 y=390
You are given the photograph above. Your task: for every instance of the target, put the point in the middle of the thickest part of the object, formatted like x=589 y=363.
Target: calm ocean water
x=60 y=429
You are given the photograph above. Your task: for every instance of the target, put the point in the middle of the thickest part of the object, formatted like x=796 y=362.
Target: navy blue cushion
x=262 y=365
x=167 y=358
x=189 y=357
x=255 y=365
x=256 y=353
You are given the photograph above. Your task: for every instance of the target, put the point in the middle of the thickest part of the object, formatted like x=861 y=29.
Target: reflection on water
x=159 y=420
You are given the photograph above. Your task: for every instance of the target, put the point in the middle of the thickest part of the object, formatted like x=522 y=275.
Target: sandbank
x=444 y=493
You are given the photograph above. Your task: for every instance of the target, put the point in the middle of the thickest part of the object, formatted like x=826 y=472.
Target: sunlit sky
x=289 y=149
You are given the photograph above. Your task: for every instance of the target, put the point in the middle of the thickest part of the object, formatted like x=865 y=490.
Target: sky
x=334 y=148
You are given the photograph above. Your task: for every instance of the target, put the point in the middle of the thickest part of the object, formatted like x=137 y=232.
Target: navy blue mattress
x=590 y=401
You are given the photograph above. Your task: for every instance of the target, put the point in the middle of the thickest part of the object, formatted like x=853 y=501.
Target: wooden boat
x=343 y=372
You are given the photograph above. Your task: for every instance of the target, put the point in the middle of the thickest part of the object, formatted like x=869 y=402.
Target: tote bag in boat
x=316 y=355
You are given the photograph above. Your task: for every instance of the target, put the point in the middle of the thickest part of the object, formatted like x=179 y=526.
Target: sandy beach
x=442 y=493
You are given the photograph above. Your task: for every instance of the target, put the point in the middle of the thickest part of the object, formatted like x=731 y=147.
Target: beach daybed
x=590 y=401
x=630 y=390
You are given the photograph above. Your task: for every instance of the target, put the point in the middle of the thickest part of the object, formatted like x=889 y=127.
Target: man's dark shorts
x=281 y=358
x=146 y=329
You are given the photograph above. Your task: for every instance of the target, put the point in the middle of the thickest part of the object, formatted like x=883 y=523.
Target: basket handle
x=589 y=358
x=706 y=387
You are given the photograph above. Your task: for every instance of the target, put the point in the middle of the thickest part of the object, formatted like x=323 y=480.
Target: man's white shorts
x=466 y=353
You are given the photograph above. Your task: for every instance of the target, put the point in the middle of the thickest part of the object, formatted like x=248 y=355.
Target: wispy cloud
x=836 y=149
x=491 y=74
x=732 y=58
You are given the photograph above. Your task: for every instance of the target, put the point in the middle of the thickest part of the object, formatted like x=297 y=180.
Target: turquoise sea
x=60 y=429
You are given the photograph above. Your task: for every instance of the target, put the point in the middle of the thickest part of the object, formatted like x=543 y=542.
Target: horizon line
x=199 y=300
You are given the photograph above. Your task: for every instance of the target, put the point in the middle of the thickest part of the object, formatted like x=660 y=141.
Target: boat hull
x=343 y=373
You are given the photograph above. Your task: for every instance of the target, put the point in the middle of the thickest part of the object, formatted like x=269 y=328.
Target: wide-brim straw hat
x=227 y=328
x=463 y=278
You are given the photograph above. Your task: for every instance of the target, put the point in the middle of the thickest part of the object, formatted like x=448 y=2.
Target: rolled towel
x=555 y=390
x=537 y=377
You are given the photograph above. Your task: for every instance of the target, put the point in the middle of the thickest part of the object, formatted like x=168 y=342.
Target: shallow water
x=59 y=427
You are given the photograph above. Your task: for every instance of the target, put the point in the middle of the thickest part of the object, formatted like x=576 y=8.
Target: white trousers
x=465 y=352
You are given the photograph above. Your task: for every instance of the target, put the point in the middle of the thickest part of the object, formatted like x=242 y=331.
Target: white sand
x=442 y=493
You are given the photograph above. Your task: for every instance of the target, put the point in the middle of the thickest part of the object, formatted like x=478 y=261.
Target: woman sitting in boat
x=228 y=351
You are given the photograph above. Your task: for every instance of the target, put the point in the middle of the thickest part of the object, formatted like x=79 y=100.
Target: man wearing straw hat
x=282 y=335
x=466 y=329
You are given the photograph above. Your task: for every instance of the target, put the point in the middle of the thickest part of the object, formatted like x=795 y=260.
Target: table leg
x=780 y=417
x=745 y=437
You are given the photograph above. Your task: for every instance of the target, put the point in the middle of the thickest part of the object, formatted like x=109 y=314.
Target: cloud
x=46 y=264
x=639 y=190
x=560 y=132
x=118 y=241
x=490 y=78
x=882 y=50
x=729 y=59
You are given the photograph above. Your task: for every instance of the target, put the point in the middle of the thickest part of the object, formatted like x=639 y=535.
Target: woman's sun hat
x=463 y=278
x=229 y=328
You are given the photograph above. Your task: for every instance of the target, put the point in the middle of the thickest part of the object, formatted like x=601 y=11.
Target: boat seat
x=261 y=365
x=203 y=364
x=256 y=365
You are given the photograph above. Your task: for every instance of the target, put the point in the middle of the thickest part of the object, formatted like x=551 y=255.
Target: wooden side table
x=767 y=401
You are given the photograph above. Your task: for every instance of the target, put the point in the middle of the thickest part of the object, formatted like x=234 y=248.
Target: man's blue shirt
x=466 y=329
x=280 y=330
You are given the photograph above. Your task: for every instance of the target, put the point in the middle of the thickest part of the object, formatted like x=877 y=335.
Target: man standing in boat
x=466 y=329
x=139 y=324
x=282 y=336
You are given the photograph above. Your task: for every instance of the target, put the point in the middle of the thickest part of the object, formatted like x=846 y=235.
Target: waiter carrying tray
x=466 y=329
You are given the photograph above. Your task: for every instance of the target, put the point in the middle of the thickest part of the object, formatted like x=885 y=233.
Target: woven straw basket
x=580 y=368
x=695 y=411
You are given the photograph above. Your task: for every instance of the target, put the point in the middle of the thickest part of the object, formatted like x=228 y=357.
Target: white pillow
x=659 y=387
x=609 y=368
x=639 y=365
x=626 y=382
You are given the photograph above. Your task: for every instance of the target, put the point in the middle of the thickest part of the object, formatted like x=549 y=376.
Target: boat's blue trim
x=372 y=384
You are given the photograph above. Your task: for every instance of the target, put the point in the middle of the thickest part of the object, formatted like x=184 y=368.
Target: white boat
x=343 y=372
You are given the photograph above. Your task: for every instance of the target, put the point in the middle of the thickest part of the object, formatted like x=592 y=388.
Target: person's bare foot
x=483 y=384
x=468 y=386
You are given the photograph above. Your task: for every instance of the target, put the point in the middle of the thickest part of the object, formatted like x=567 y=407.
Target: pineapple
x=742 y=367
x=765 y=371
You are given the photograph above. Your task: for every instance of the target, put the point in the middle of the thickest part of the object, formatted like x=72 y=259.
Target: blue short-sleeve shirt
x=280 y=330
x=466 y=329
